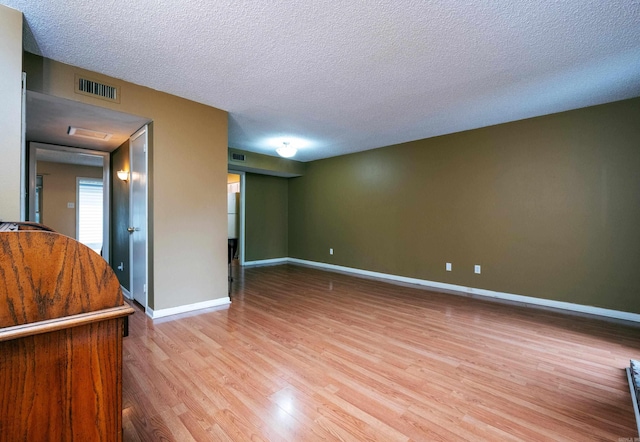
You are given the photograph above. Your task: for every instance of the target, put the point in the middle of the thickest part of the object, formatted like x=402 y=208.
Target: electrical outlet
x=330 y=251
x=476 y=269
x=448 y=266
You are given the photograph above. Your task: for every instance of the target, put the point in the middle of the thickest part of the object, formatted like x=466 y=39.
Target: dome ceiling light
x=286 y=151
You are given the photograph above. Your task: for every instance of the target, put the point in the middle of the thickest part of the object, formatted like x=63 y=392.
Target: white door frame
x=23 y=154
x=106 y=183
x=142 y=131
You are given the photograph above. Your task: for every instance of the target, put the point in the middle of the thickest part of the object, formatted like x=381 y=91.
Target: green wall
x=266 y=228
x=120 y=215
x=549 y=207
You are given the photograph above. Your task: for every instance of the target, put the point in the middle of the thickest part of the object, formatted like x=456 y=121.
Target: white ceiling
x=344 y=76
x=49 y=119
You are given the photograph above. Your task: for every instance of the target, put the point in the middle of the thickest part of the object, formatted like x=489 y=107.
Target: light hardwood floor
x=303 y=354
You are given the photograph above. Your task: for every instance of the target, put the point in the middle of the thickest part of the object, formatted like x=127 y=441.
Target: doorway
x=138 y=209
x=82 y=132
x=56 y=171
x=236 y=212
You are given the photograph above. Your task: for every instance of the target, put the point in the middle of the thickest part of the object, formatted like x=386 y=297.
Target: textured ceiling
x=343 y=76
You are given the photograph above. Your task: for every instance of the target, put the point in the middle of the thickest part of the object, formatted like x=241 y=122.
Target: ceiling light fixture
x=286 y=151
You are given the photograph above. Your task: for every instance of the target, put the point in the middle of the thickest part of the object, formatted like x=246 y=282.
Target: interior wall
x=266 y=164
x=266 y=218
x=187 y=182
x=233 y=178
x=549 y=207
x=10 y=112
x=59 y=188
x=120 y=216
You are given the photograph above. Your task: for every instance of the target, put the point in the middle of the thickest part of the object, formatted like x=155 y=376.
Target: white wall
x=10 y=112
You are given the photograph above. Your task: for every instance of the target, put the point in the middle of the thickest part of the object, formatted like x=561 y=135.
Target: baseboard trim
x=459 y=289
x=272 y=261
x=126 y=293
x=634 y=398
x=155 y=314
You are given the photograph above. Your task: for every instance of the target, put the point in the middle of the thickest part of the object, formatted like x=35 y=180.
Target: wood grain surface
x=61 y=326
x=46 y=275
x=303 y=354
x=63 y=385
x=35 y=328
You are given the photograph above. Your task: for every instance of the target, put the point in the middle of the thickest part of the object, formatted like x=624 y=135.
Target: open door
x=138 y=210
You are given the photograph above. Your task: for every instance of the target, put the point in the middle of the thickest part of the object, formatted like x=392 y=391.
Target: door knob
x=131 y=229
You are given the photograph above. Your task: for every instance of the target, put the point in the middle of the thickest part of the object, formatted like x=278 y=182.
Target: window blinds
x=90 y=213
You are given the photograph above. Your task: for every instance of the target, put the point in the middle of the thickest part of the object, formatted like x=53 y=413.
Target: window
x=89 y=213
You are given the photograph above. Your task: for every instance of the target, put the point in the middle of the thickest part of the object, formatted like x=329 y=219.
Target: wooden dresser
x=61 y=327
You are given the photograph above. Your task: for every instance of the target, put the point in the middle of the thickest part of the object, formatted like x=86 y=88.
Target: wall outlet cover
x=476 y=269
x=448 y=266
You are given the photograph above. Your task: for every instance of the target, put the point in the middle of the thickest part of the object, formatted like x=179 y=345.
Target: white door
x=138 y=224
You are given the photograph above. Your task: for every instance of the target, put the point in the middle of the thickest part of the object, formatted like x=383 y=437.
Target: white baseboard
x=155 y=314
x=126 y=293
x=262 y=262
x=634 y=398
x=586 y=309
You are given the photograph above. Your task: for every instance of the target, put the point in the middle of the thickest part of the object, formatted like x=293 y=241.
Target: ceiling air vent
x=237 y=157
x=92 y=88
x=88 y=133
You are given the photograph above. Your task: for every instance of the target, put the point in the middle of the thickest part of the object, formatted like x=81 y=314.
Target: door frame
x=106 y=186
x=241 y=245
x=144 y=130
x=24 y=165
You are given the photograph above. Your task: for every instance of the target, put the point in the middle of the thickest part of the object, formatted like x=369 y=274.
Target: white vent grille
x=87 y=86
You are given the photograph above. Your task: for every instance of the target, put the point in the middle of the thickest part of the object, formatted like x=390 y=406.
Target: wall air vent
x=237 y=157
x=93 y=88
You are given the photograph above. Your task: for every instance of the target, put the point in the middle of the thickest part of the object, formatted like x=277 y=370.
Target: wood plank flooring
x=303 y=354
